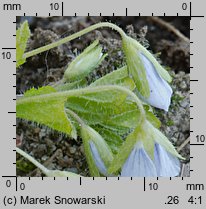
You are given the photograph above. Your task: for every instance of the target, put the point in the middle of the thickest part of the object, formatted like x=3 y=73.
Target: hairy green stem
x=81 y=92
x=32 y=160
x=74 y=36
x=47 y=172
x=73 y=114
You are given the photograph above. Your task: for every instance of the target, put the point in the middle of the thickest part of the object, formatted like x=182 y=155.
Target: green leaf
x=95 y=105
x=129 y=120
x=122 y=131
x=73 y=85
x=88 y=105
x=48 y=111
x=90 y=118
x=116 y=116
x=113 y=140
x=98 y=106
x=117 y=77
x=22 y=36
x=42 y=90
x=106 y=96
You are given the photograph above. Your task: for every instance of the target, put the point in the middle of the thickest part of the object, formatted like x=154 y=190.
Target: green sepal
x=162 y=72
x=147 y=138
x=163 y=141
x=93 y=170
x=124 y=151
x=135 y=66
x=152 y=118
x=22 y=36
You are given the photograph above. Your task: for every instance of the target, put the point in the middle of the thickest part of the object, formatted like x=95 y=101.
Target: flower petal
x=138 y=164
x=160 y=90
x=97 y=159
x=166 y=164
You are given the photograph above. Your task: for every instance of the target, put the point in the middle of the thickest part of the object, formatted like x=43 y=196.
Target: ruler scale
x=108 y=192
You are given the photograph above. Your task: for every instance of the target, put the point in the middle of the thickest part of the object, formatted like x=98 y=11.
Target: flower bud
x=85 y=63
x=98 y=153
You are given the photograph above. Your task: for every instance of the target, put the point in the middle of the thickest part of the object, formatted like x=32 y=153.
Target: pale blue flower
x=97 y=159
x=138 y=164
x=146 y=152
x=166 y=164
x=160 y=90
x=149 y=76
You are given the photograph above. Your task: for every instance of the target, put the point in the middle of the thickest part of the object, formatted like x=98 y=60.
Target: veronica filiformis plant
x=145 y=151
x=149 y=76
